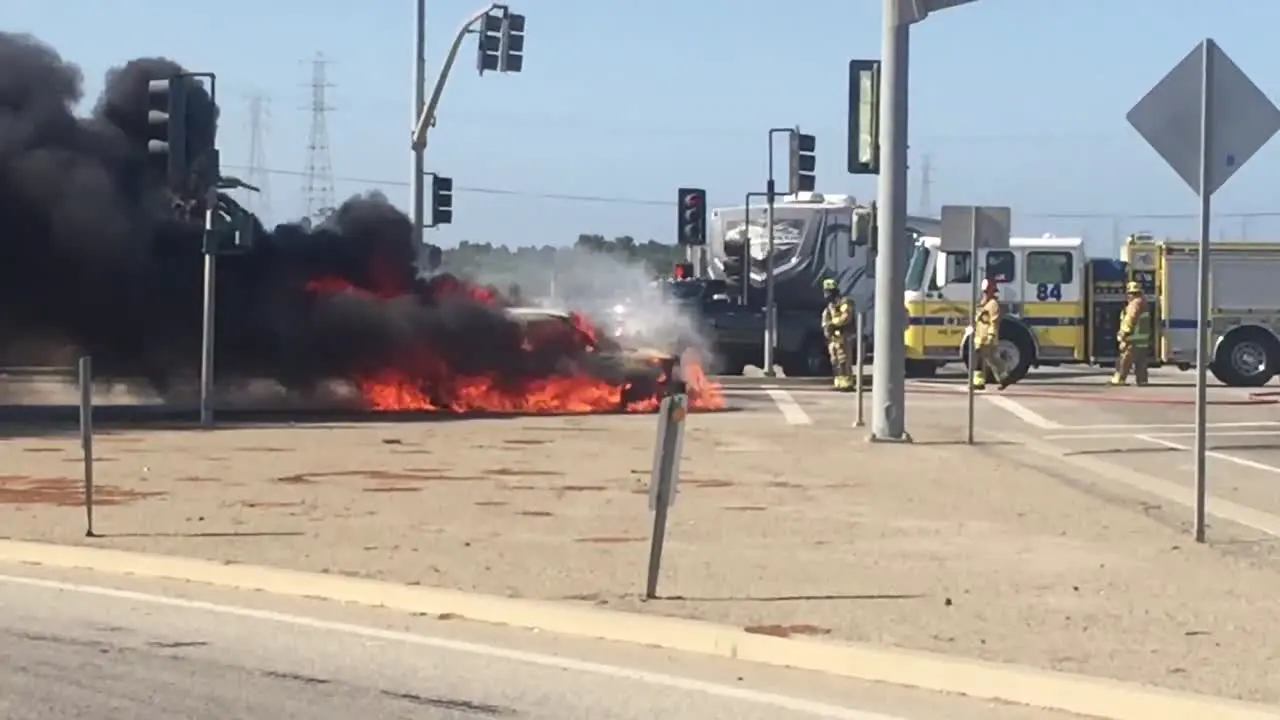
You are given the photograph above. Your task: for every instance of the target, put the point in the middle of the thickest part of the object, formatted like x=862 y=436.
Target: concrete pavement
x=74 y=646
x=784 y=526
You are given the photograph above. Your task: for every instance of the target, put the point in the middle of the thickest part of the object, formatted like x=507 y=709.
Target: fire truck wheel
x=1246 y=357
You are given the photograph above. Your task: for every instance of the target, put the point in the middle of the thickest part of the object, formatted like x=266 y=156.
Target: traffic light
x=167 y=130
x=692 y=204
x=803 y=163
x=501 y=44
x=441 y=200
x=736 y=275
x=511 y=57
x=489 y=46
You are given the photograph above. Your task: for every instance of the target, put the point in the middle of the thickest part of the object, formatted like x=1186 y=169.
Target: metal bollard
x=664 y=479
x=86 y=438
x=859 y=418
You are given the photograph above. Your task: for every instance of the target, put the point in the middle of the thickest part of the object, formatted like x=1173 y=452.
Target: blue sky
x=1014 y=102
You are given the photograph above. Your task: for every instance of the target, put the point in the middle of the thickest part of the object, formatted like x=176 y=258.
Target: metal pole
x=1203 y=330
x=975 y=289
x=417 y=190
x=770 y=311
x=428 y=117
x=206 y=330
x=859 y=417
x=86 y=439
x=662 y=486
x=888 y=382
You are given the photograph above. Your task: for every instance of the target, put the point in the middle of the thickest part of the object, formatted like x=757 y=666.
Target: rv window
x=1000 y=265
x=958 y=268
x=1050 y=268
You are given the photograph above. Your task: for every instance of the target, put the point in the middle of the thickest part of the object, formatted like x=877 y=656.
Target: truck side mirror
x=865 y=229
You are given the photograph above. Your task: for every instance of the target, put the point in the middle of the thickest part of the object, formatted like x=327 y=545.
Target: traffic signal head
x=167 y=130
x=489 y=46
x=441 y=200
x=734 y=262
x=511 y=54
x=804 y=163
x=692 y=206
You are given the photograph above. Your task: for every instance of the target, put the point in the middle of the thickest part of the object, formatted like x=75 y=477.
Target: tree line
x=593 y=266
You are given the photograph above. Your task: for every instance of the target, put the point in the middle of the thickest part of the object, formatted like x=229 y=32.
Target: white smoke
x=617 y=292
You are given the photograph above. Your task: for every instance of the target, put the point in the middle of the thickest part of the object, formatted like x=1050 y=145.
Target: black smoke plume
x=94 y=260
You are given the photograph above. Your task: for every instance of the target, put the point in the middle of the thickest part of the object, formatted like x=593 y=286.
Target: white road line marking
x=1176 y=426
x=816 y=709
x=1114 y=436
x=1175 y=492
x=1243 y=462
x=787 y=405
x=1022 y=412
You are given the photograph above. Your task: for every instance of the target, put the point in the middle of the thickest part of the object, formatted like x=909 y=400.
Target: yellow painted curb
x=1079 y=694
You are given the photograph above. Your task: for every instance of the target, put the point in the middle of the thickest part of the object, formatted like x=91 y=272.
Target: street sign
x=963 y=226
x=1241 y=119
x=913 y=11
x=1206 y=118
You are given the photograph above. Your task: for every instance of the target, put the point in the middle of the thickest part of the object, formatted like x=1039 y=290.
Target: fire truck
x=1062 y=307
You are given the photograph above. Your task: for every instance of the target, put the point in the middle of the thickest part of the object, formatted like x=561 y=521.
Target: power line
x=623 y=200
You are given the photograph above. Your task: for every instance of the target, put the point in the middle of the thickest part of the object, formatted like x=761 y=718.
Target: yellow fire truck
x=1062 y=307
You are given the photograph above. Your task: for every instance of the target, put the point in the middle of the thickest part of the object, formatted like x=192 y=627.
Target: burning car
x=562 y=337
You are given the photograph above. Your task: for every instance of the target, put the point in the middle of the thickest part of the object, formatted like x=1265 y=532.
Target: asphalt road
x=150 y=650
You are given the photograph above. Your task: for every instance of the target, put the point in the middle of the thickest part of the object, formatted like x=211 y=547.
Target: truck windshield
x=917 y=268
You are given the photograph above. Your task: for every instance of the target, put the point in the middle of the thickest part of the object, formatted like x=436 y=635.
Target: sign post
x=664 y=479
x=972 y=229
x=1206 y=118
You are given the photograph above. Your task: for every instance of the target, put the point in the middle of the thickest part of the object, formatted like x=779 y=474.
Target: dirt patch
x=196 y=479
x=42 y=450
x=536 y=513
x=745 y=508
x=264 y=504
x=520 y=441
x=783 y=631
x=414 y=475
x=491 y=503
x=582 y=488
x=264 y=449
x=96 y=459
x=509 y=472
x=392 y=489
x=710 y=484
x=63 y=492
x=608 y=540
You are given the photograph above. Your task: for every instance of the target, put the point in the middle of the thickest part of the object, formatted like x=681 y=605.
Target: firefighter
x=838 y=327
x=1134 y=337
x=986 y=338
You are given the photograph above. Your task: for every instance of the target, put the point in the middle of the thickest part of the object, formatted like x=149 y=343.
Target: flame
x=433 y=386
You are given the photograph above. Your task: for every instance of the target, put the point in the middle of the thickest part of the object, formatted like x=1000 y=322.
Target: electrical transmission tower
x=926 y=185
x=259 y=203
x=317 y=187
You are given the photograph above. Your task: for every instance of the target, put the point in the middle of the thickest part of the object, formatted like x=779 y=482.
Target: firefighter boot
x=979 y=380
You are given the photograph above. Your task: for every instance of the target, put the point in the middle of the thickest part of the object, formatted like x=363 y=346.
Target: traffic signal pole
x=417 y=191
x=888 y=379
x=208 y=314
x=427 y=117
